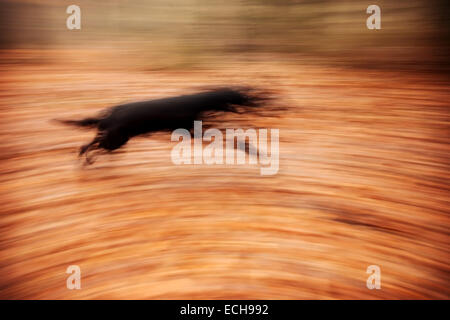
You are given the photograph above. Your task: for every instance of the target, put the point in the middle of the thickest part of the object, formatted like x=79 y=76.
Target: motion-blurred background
x=364 y=149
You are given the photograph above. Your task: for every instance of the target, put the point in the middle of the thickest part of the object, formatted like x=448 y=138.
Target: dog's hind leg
x=113 y=139
x=107 y=140
x=95 y=146
x=90 y=145
x=90 y=158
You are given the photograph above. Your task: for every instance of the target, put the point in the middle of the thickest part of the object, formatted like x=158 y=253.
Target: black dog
x=122 y=122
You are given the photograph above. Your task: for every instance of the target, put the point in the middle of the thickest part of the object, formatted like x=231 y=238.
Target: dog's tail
x=87 y=122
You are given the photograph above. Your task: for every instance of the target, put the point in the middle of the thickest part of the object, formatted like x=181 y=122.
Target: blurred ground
x=363 y=180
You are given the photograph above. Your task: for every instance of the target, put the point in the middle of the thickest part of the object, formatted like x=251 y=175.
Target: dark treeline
x=414 y=33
